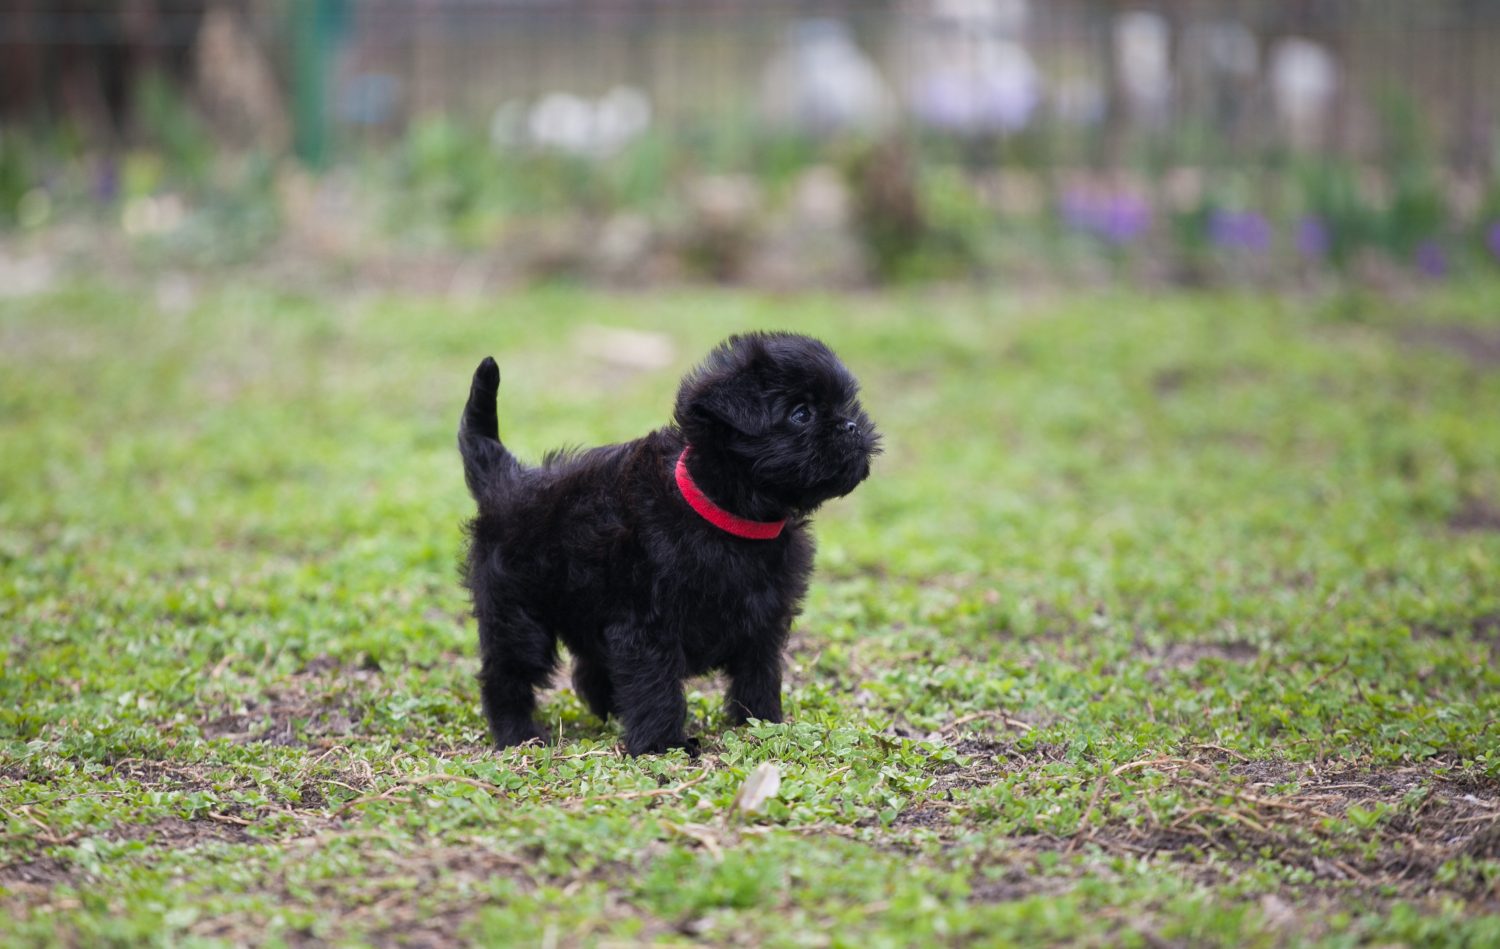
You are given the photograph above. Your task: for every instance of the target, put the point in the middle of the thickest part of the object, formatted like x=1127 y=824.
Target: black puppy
x=685 y=551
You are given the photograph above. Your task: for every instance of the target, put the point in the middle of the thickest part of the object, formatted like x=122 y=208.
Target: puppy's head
x=785 y=408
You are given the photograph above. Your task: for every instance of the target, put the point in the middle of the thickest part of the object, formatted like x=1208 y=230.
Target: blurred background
x=770 y=143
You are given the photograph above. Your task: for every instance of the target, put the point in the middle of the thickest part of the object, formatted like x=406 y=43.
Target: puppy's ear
x=728 y=390
x=735 y=401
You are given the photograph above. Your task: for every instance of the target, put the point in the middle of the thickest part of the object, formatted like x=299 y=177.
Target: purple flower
x=1008 y=108
x=1126 y=217
x=999 y=96
x=1239 y=230
x=1431 y=260
x=945 y=103
x=1313 y=238
x=1117 y=217
x=1492 y=240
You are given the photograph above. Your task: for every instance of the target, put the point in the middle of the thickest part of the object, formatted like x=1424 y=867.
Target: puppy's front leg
x=647 y=679
x=754 y=685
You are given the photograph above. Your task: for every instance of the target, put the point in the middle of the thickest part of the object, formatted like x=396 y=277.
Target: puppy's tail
x=486 y=461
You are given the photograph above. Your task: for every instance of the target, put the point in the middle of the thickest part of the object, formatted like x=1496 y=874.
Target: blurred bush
x=706 y=201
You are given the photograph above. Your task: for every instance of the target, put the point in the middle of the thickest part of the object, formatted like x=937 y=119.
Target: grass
x=1162 y=620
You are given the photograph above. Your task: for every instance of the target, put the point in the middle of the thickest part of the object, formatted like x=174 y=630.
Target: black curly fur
x=599 y=549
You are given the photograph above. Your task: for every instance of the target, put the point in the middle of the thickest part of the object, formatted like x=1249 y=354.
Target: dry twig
x=976 y=716
x=633 y=795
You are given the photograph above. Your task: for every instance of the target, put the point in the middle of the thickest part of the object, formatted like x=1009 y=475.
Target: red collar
x=717 y=516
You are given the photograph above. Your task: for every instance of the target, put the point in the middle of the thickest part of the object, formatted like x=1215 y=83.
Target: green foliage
x=1418 y=210
x=1156 y=614
x=1413 y=211
x=444 y=178
x=889 y=217
x=960 y=227
x=1332 y=193
x=16 y=175
x=239 y=219
x=169 y=124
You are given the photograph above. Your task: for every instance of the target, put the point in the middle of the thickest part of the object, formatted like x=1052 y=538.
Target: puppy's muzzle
x=858 y=447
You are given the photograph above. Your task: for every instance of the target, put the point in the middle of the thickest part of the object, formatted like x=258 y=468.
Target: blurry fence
x=1064 y=81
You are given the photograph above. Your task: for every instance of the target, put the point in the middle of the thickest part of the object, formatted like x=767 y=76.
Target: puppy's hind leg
x=591 y=682
x=517 y=656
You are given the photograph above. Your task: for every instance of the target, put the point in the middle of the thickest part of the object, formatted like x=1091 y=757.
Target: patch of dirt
x=1239 y=815
x=1485 y=628
x=1383 y=832
x=994 y=756
x=231 y=822
x=1488 y=627
x=180 y=834
x=1170 y=380
x=21 y=771
x=425 y=930
x=1406 y=822
x=1183 y=656
x=989 y=760
x=291 y=714
x=1016 y=880
x=1173 y=379
x=1480 y=345
x=43 y=873
x=160 y=774
x=927 y=816
x=417 y=897
x=1475 y=514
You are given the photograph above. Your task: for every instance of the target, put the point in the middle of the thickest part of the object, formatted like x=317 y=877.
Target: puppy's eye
x=800 y=415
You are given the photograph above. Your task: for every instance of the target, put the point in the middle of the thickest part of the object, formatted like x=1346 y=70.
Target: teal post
x=316 y=26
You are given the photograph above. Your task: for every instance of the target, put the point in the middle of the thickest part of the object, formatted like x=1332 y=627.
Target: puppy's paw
x=510 y=734
x=661 y=745
x=739 y=716
x=741 y=712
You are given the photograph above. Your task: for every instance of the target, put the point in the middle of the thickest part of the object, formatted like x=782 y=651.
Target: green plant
x=1418 y=208
x=889 y=215
x=16 y=175
x=1332 y=194
x=168 y=123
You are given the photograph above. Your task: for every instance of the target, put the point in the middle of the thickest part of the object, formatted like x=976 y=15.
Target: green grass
x=1161 y=620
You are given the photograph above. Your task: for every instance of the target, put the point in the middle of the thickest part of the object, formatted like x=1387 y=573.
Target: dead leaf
x=760 y=786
